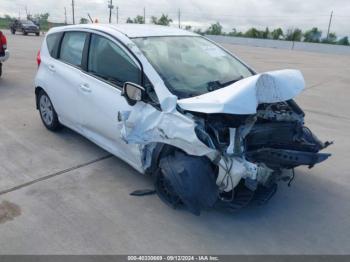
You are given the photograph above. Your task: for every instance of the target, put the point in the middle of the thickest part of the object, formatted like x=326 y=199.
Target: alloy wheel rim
x=46 y=110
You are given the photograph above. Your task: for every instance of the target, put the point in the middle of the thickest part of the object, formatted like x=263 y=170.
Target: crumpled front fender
x=145 y=124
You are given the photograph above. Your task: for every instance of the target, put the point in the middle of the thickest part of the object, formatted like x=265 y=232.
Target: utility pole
x=65 y=15
x=110 y=6
x=329 y=25
x=92 y=21
x=26 y=9
x=144 y=15
x=73 y=12
x=179 y=18
x=117 y=14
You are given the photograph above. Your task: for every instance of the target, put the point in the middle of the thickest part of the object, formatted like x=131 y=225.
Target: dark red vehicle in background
x=4 y=53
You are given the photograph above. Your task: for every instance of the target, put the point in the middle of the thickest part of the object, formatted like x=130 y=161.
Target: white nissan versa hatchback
x=177 y=106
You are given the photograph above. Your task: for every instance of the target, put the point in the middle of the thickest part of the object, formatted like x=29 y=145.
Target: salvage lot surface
x=88 y=210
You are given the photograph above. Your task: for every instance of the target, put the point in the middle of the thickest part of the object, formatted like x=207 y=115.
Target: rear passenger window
x=72 y=47
x=52 y=42
x=109 y=62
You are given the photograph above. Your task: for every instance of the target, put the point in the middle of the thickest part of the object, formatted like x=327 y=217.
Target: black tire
x=165 y=191
x=25 y=33
x=0 y=69
x=37 y=34
x=47 y=112
x=13 y=31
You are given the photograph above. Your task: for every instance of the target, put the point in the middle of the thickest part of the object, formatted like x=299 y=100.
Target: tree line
x=313 y=35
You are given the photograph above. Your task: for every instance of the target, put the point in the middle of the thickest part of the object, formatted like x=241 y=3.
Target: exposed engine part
x=232 y=170
x=279 y=112
x=189 y=180
x=283 y=135
x=283 y=145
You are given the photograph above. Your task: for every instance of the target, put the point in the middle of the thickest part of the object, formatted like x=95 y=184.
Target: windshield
x=191 y=65
x=27 y=22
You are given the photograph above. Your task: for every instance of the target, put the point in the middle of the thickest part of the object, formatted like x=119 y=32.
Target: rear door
x=109 y=65
x=66 y=78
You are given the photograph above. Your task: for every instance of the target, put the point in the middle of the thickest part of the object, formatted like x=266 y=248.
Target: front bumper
x=5 y=57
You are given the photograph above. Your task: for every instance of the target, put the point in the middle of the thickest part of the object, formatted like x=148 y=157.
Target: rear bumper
x=5 y=57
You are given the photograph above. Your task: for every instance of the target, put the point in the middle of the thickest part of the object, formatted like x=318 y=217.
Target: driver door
x=109 y=66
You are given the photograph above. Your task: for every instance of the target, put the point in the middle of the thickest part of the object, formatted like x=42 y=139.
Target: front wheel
x=47 y=112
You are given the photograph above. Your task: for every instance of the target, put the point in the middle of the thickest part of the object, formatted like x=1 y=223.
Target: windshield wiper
x=214 y=85
x=231 y=81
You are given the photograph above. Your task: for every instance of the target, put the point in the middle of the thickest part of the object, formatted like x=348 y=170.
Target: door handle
x=85 y=88
x=52 y=68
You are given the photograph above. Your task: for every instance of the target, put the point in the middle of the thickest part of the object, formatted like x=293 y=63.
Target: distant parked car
x=24 y=26
x=179 y=107
x=4 y=53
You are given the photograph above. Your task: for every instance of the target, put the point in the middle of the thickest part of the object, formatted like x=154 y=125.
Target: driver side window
x=108 y=61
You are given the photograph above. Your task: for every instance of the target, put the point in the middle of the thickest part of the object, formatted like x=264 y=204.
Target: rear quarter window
x=72 y=47
x=52 y=42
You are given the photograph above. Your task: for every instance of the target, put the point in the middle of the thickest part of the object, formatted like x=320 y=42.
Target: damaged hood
x=244 y=96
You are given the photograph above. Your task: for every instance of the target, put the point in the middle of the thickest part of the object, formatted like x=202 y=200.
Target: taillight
x=38 y=58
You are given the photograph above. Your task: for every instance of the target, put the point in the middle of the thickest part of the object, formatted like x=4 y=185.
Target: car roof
x=135 y=30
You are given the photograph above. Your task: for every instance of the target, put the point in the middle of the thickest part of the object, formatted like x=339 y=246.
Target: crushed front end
x=227 y=148
x=259 y=150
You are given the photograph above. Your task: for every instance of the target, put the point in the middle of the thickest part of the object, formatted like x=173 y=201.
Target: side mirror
x=132 y=93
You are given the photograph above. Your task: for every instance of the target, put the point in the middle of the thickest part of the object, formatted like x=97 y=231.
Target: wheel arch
x=160 y=150
x=38 y=89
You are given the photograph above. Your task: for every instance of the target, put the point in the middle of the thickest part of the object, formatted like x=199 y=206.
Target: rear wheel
x=37 y=34
x=47 y=112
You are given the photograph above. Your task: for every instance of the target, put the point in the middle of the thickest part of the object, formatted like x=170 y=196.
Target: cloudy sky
x=240 y=14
